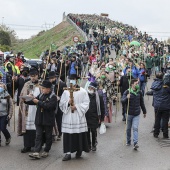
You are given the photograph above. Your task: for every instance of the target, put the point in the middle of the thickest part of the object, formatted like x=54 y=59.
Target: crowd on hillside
x=116 y=62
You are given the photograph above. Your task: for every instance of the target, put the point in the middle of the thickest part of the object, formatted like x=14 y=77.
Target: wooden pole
x=13 y=90
x=60 y=75
x=127 y=112
x=47 y=63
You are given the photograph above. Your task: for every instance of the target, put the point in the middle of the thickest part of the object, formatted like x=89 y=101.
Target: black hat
x=46 y=84
x=26 y=69
x=52 y=74
x=33 y=71
x=73 y=76
x=93 y=84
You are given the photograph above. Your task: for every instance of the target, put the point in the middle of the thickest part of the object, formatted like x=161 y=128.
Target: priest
x=74 y=104
x=26 y=115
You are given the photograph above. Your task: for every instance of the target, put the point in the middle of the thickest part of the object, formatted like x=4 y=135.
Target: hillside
x=61 y=35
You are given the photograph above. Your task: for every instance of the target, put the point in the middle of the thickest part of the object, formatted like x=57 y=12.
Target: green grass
x=61 y=36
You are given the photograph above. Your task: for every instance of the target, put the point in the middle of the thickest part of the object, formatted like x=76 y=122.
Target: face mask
x=1 y=90
x=90 y=91
x=137 y=87
x=73 y=82
x=110 y=66
x=103 y=76
x=35 y=82
x=25 y=74
x=95 y=66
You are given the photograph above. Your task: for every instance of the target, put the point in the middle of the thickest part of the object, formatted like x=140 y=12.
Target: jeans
x=164 y=115
x=132 y=122
x=142 y=87
x=3 y=125
x=39 y=138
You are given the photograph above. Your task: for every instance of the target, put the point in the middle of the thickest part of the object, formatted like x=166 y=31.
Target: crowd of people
x=54 y=105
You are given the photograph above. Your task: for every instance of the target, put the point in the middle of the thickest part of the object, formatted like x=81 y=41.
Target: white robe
x=30 y=119
x=74 y=122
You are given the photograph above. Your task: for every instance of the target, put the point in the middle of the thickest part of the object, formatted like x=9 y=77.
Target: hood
x=157 y=84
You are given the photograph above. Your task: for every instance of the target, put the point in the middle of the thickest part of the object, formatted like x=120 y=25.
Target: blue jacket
x=161 y=95
x=142 y=76
x=135 y=71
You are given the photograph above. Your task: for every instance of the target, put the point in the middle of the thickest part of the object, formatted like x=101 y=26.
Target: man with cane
x=133 y=99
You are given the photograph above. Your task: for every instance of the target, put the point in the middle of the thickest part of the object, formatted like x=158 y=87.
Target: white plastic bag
x=102 y=129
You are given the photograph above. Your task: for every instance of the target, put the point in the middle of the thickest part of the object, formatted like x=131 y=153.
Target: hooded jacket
x=161 y=95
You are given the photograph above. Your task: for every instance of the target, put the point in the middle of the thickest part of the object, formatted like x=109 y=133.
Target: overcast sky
x=146 y=15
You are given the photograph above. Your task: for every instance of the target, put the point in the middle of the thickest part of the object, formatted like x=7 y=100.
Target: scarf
x=98 y=103
x=133 y=92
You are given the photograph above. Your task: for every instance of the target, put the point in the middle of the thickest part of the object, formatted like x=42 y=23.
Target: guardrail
x=78 y=29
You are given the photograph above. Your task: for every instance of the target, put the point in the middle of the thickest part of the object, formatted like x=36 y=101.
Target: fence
x=78 y=29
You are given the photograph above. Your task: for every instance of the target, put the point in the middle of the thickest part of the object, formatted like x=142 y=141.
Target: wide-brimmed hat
x=52 y=74
x=33 y=71
x=93 y=84
x=46 y=84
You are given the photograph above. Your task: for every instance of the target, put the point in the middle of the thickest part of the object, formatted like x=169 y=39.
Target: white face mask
x=95 y=66
x=73 y=82
x=110 y=66
x=90 y=91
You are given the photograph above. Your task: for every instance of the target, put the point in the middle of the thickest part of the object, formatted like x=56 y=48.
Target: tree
x=5 y=38
x=11 y=33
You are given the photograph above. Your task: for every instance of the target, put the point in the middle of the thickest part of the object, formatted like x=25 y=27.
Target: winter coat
x=149 y=62
x=142 y=76
x=161 y=95
x=136 y=102
x=45 y=115
x=135 y=71
x=92 y=116
x=124 y=83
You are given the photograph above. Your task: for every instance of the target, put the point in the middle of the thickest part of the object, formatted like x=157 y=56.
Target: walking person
x=44 y=120
x=135 y=97
x=94 y=115
x=6 y=111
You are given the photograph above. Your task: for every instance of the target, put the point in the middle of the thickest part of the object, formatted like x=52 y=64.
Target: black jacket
x=92 y=116
x=45 y=115
x=61 y=86
x=124 y=83
x=19 y=85
x=136 y=102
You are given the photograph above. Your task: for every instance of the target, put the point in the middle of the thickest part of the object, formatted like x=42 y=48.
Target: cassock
x=74 y=125
x=26 y=117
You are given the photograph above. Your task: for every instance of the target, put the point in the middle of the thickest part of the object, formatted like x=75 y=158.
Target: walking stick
x=47 y=63
x=13 y=89
x=65 y=72
x=59 y=76
x=127 y=113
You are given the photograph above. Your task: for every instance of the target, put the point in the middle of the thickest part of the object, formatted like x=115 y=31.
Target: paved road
x=111 y=153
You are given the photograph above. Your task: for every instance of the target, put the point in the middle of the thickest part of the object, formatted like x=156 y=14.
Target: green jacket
x=149 y=62
x=156 y=61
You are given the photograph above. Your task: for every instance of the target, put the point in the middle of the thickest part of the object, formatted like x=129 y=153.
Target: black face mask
x=25 y=74
x=35 y=82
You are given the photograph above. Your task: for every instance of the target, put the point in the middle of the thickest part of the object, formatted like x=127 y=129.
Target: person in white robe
x=74 y=125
